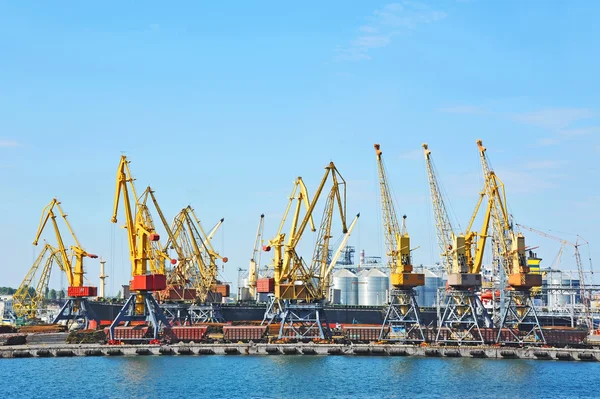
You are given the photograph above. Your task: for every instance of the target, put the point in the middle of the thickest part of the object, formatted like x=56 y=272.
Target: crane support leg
x=463 y=318
x=272 y=312
x=402 y=318
x=176 y=313
x=77 y=309
x=304 y=321
x=152 y=314
x=520 y=323
x=207 y=313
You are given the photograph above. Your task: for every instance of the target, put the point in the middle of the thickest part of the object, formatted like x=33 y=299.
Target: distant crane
x=255 y=260
x=585 y=294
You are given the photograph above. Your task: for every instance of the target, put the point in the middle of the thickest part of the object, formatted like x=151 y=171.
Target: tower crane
x=300 y=288
x=462 y=256
x=255 y=260
x=519 y=314
x=146 y=270
x=402 y=314
x=585 y=294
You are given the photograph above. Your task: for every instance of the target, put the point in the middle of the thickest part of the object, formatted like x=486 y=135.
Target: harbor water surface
x=295 y=377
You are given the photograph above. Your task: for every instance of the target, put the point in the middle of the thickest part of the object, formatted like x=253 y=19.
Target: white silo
x=347 y=282
x=427 y=294
x=373 y=287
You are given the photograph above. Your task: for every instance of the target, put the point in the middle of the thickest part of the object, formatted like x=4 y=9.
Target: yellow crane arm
x=444 y=229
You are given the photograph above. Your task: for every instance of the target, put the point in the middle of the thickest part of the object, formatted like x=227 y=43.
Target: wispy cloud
x=8 y=143
x=384 y=24
x=554 y=118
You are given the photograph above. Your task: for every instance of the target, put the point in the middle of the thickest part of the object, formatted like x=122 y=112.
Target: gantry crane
x=301 y=289
x=202 y=271
x=76 y=307
x=402 y=320
x=255 y=260
x=29 y=297
x=462 y=256
x=146 y=270
x=584 y=293
x=519 y=315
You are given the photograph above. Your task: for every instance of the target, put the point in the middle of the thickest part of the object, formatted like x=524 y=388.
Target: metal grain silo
x=373 y=287
x=347 y=282
x=427 y=294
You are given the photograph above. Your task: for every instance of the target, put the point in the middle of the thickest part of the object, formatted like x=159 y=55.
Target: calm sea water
x=295 y=377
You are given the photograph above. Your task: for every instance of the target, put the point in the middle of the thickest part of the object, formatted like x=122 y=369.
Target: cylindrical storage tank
x=244 y=294
x=427 y=294
x=347 y=282
x=373 y=286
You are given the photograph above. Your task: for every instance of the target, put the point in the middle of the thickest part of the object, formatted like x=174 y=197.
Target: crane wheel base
x=520 y=320
x=78 y=309
x=463 y=318
x=153 y=314
x=402 y=318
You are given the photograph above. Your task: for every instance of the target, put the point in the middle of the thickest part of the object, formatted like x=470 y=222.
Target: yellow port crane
x=402 y=319
x=462 y=257
x=300 y=289
x=147 y=265
x=583 y=291
x=198 y=279
x=29 y=297
x=76 y=307
x=519 y=315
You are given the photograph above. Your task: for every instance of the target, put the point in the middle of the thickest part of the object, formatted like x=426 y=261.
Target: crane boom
x=443 y=226
x=255 y=260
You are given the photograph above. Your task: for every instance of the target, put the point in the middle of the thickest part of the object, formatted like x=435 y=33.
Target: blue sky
x=222 y=105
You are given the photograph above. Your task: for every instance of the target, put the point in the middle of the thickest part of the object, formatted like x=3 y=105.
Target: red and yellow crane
x=147 y=262
x=76 y=307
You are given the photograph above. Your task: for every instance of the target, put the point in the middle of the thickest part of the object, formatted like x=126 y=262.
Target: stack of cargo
x=265 y=285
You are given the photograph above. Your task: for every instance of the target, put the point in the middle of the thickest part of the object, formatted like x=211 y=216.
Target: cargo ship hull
x=253 y=313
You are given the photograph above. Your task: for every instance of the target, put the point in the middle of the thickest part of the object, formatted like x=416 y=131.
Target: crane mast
x=141 y=236
x=402 y=313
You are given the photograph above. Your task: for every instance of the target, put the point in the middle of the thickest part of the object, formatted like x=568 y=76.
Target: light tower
x=102 y=278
